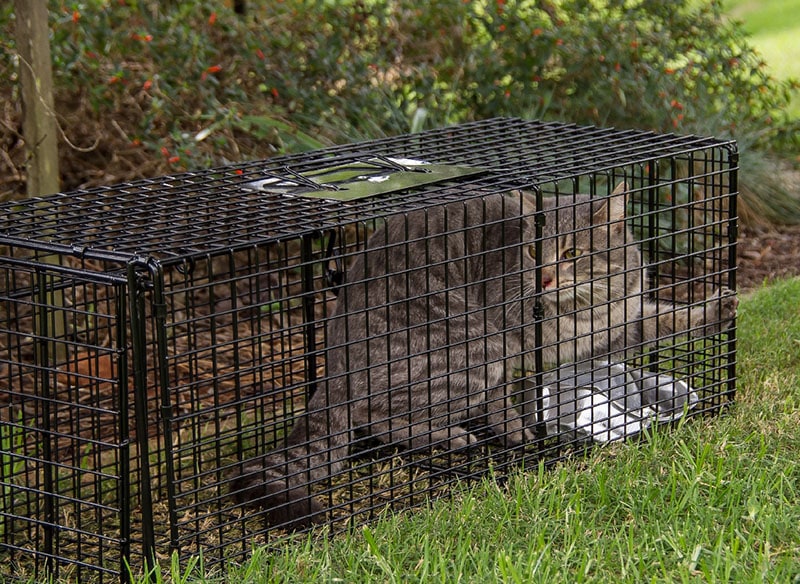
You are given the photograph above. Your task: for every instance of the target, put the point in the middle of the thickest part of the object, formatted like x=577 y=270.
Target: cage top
x=171 y=218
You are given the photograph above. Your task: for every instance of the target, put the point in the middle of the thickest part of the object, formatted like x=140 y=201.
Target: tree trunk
x=38 y=113
x=40 y=131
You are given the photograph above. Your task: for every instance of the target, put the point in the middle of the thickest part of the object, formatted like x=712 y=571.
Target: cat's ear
x=620 y=189
x=612 y=209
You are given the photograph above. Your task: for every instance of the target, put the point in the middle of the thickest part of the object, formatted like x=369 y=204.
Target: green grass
x=714 y=500
x=775 y=29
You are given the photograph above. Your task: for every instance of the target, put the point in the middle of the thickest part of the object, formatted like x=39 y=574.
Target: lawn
x=715 y=500
x=775 y=29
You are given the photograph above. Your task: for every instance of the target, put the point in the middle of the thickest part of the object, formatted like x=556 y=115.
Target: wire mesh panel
x=65 y=460
x=211 y=360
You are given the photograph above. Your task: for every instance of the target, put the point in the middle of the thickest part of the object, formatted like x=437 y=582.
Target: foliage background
x=147 y=88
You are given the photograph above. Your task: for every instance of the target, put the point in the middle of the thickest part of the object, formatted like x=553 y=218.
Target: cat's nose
x=547 y=278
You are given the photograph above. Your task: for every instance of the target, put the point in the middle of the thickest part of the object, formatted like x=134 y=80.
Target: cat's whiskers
x=595 y=292
x=582 y=295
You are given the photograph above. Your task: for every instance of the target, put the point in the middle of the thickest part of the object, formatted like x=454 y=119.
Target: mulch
x=766 y=255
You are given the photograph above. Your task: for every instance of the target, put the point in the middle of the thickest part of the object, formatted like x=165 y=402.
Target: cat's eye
x=571 y=253
x=532 y=251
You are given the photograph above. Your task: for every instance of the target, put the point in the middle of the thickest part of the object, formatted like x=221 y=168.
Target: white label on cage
x=359 y=179
x=375 y=179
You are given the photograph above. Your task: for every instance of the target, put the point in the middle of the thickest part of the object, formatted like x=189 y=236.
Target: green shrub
x=658 y=65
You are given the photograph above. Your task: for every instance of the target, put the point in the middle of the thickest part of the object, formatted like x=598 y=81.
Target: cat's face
x=584 y=251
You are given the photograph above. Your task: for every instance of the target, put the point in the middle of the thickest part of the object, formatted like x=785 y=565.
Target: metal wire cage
x=159 y=339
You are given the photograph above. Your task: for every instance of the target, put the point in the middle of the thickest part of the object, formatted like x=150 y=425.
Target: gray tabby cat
x=439 y=311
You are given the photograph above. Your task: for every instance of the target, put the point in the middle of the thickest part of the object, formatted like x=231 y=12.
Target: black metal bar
x=652 y=202
x=159 y=308
x=650 y=357
x=124 y=483
x=733 y=235
x=138 y=287
x=307 y=271
x=538 y=322
x=43 y=344
x=104 y=278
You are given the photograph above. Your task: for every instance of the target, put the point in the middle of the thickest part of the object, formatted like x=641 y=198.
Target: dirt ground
x=765 y=255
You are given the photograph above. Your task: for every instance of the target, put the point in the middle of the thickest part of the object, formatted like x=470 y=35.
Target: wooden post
x=38 y=112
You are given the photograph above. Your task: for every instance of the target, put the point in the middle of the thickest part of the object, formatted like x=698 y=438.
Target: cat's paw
x=728 y=304
x=518 y=437
x=718 y=313
x=450 y=438
x=461 y=440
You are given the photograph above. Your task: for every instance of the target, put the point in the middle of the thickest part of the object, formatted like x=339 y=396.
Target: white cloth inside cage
x=605 y=401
